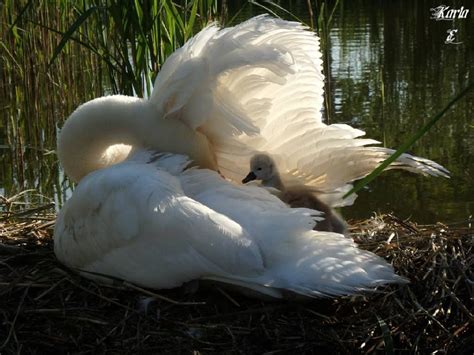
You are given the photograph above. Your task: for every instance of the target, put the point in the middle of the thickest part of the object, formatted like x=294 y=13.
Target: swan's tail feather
x=328 y=265
x=270 y=288
x=333 y=272
x=418 y=165
x=247 y=287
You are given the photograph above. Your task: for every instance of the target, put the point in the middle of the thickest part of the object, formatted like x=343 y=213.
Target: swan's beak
x=250 y=177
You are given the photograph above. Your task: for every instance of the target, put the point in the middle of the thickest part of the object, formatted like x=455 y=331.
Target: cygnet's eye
x=259 y=168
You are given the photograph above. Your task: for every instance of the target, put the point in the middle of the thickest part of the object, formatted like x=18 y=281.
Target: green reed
x=34 y=98
x=325 y=12
x=134 y=38
x=57 y=54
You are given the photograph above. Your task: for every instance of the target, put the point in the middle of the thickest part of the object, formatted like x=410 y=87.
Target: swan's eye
x=259 y=169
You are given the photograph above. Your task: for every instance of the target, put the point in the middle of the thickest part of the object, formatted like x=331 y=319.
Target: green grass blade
x=172 y=12
x=405 y=146
x=332 y=13
x=256 y=3
x=237 y=14
x=11 y=56
x=282 y=9
x=20 y=15
x=192 y=18
x=387 y=337
x=68 y=34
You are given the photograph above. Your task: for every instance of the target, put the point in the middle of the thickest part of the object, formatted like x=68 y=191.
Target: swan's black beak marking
x=250 y=177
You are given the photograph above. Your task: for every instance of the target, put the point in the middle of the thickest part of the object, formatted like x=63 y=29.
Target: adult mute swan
x=155 y=220
x=151 y=221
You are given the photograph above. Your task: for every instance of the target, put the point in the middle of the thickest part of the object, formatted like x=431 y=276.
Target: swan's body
x=263 y=168
x=223 y=96
x=149 y=221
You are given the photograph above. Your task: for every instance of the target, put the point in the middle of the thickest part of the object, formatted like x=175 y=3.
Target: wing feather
x=260 y=88
x=295 y=257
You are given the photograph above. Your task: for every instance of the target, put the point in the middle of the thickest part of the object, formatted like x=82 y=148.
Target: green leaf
x=20 y=15
x=68 y=34
x=192 y=18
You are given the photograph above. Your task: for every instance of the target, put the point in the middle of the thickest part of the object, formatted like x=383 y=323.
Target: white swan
x=226 y=94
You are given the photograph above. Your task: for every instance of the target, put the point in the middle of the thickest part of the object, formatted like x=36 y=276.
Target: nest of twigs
x=47 y=308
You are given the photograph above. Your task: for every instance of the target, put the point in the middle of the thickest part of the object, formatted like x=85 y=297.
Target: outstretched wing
x=259 y=86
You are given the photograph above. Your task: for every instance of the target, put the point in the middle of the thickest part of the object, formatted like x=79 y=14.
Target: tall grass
x=34 y=99
x=56 y=54
x=134 y=38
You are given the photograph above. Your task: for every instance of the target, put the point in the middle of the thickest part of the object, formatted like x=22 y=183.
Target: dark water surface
x=388 y=71
x=391 y=71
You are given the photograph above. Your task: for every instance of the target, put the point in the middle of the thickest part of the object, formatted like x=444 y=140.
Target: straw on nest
x=46 y=307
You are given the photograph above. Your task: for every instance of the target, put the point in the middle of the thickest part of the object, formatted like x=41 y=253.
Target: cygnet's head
x=262 y=167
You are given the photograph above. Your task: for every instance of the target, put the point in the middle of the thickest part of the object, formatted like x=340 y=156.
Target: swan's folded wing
x=133 y=222
x=259 y=86
x=296 y=257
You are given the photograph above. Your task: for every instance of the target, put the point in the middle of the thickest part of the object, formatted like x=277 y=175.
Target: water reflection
x=388 y=71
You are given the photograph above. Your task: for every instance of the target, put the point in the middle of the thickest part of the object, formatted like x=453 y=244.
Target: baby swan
x=263 y=167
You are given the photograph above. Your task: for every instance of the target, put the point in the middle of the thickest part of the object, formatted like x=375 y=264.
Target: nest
x=47 y=308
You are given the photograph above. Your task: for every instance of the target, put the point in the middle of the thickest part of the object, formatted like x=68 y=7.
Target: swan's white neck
x=85 y=140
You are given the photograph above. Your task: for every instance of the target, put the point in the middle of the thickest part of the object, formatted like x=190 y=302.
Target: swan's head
x=262 y=167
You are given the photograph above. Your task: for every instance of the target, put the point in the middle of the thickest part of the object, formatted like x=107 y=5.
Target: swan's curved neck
x=85 y=141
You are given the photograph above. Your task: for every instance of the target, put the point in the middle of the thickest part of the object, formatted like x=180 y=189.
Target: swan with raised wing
x=151 y=207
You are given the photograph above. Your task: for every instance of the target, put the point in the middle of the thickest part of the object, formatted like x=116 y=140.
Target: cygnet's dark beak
x=250 y=177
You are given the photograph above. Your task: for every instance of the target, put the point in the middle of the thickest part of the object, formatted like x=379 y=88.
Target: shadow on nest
x=45 y=307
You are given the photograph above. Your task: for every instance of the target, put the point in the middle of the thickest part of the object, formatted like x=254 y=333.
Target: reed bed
x=56 y=54
x=46 y=307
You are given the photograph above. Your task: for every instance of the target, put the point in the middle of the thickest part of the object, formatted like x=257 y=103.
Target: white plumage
x=159 y=226
x=151 y=219
x=259 y=87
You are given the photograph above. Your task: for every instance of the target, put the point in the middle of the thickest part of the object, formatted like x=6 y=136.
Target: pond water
x=388 y=68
